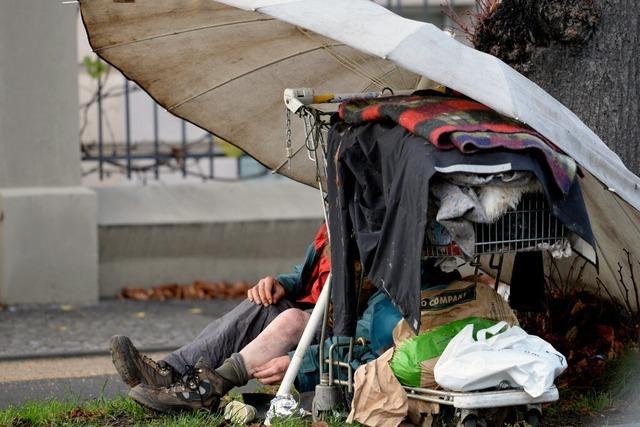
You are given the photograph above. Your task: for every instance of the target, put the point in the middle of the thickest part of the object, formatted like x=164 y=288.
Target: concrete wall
x=38 y=94
x=43 y=245
x=48 y=246
x=215 y=231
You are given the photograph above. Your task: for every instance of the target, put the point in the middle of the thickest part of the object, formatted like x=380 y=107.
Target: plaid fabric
x=455 y=122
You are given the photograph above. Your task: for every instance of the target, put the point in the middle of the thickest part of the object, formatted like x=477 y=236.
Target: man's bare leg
x=282 y=335
x=263 y=358
x=228 y=334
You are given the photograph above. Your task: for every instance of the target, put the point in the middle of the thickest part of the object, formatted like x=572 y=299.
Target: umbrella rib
x=386 y=73
x=344 y=60
x=239 y=76
x=175 y=33
x=353 y=66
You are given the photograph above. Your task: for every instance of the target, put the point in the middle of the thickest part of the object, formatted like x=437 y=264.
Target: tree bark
x=600 y=80
x=586 y=53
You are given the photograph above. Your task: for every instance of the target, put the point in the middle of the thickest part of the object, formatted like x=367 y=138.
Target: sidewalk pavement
x=62 y=351
x=66 y=378
x=52 y=331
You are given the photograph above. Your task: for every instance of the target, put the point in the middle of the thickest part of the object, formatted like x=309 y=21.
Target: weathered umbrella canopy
x=223 y=65
x=225 y=69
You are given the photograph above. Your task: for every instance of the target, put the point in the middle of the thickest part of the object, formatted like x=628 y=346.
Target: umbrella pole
x=284 y=405
x=317 y=315
x=305 y=341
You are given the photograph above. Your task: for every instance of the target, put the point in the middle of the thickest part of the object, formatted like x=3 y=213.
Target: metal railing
x=154 y=155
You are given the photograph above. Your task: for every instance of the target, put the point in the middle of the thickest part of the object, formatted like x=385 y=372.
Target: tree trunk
x=586 y=53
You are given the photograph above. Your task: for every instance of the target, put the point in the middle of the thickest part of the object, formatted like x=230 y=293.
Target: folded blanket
x=449 y=121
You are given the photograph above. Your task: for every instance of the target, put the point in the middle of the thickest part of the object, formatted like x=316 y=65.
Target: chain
x=288 y=143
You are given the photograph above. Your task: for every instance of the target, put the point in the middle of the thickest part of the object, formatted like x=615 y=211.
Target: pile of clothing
x=430 y=167
x=464 y=199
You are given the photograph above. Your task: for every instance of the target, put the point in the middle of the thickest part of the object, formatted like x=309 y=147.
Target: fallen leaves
x=199 y=290
x=593 y=334
x=84 y=416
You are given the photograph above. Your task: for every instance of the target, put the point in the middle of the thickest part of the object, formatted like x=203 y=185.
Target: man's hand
x=273 y=371
x=266 y=292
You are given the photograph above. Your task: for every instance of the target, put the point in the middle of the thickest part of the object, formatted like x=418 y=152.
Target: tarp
x=223 y=65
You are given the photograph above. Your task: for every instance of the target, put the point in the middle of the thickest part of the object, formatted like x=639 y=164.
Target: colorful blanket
x=455 y=122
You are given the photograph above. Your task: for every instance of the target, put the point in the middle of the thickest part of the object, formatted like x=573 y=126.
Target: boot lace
x=190 y=379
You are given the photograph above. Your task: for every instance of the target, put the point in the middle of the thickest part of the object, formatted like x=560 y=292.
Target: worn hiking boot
x=199 y=388
x=135 y=368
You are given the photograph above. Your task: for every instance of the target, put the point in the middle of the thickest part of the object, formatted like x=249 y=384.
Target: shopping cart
x=531 y=226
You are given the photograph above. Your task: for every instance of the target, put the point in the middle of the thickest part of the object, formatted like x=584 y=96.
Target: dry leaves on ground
x=594 y=333
x=199 y=290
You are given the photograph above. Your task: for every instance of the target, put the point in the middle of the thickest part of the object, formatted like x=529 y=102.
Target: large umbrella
x=223 y=65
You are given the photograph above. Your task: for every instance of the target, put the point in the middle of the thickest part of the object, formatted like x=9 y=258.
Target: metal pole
x=100 y=132
x=156 y=142
x=324 y=379
x=127 y=127
x=305 y=340
x=184 y=148
x=211 y=156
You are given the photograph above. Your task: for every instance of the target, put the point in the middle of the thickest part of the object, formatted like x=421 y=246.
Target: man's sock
x=234 y=370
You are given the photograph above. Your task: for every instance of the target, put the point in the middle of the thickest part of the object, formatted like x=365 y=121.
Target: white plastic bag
x=501 y=353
